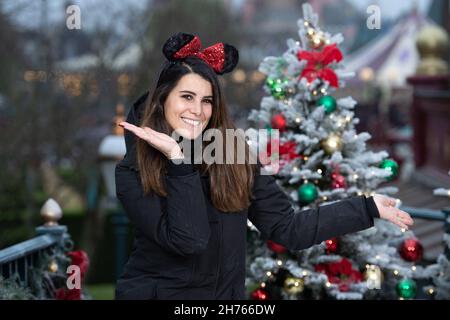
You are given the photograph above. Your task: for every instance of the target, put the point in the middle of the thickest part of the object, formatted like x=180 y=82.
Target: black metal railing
x=433 y=215
x=18 y=261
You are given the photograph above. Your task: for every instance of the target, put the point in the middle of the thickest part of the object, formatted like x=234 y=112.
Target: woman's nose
x=196 y=108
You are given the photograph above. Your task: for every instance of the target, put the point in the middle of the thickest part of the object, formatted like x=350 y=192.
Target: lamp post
x=111 y=150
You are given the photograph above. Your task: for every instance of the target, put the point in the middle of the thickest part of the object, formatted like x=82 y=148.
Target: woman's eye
x=187 y=97
x=208 y=101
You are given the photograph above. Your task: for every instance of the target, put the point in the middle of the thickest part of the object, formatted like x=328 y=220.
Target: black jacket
x=185 y=248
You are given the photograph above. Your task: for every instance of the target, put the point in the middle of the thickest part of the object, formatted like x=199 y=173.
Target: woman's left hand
x=388 y=211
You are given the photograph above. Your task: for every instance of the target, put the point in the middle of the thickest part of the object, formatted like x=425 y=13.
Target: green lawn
x=104 y=291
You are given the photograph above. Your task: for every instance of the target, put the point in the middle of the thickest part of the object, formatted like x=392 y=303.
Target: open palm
x=388 y=211
x=161 y=141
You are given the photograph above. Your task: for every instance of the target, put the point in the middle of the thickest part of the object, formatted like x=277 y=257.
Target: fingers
x=405 y=217
x=138 y=131
x=401 y=218
x=401 y=225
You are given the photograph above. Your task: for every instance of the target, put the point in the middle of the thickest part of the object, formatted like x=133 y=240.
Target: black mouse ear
x=175 y=43
x=231 y=58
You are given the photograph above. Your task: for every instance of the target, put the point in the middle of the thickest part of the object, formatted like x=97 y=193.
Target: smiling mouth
x=193 y=123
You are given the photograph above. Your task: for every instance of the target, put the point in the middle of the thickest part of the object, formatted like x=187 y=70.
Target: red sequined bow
x=213 y=55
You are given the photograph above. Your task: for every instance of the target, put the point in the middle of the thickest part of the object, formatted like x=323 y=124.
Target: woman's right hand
x=161 y=141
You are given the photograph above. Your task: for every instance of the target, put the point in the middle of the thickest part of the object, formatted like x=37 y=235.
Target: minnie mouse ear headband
x=221 y=57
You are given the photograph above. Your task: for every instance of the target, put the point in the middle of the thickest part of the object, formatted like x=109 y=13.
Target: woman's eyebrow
x=194 y=94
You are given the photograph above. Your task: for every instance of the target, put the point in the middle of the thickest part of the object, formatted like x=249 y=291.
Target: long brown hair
x=223 y=177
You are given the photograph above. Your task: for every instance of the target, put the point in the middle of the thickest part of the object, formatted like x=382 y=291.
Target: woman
x=191 y=219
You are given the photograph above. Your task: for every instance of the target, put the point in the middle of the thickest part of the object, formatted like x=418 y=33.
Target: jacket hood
x=133 y=117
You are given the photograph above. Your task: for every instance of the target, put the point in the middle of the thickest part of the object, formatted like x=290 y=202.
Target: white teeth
x=191 y=122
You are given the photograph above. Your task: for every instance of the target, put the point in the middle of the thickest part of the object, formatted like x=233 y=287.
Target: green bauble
x=328 y=102
x=268 y=128
x=407 y=288
x=307 y=193
x=392 y=166
x=277 y=87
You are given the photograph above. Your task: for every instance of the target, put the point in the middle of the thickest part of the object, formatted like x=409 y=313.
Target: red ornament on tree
x=316 y=67
x=344 y=287
x=278 y=122
x=275 y=247
x=411 y=250
x=332 y=245
x=81 y=259
x=288 y=150
x=265 y=157
x=340 y=273
x=260 y=294
x=338 y=182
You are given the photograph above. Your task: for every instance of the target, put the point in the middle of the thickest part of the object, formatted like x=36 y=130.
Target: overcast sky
x=28 y=12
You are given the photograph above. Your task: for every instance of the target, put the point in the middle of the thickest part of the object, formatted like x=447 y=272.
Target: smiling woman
x=188 y=107
x=190 y=219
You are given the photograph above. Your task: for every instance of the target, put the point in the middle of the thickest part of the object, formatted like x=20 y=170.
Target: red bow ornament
x=213 y=55
x=316 y=66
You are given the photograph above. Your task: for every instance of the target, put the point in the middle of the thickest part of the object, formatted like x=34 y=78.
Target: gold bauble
x=294 y=285
x=373 y=276
x=332 y=144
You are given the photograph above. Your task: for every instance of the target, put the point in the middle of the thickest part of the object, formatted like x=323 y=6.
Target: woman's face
x=188 y=106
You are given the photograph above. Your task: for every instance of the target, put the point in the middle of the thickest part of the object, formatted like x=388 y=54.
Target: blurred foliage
x=11 y=55
x=10 y=290
x=71 y=177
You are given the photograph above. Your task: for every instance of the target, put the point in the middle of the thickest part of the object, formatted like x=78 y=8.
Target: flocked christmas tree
x=323 y=159
x=440 y=271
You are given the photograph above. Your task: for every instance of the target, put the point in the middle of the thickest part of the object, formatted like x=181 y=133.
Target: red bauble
x=411 y=250
x=279 y=122
x=260 y=294
x=338 y=180
x=332 y=245
x=275 y=247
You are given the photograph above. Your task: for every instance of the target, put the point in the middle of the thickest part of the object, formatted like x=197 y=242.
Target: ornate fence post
x=51 y=213
x=25 y=262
